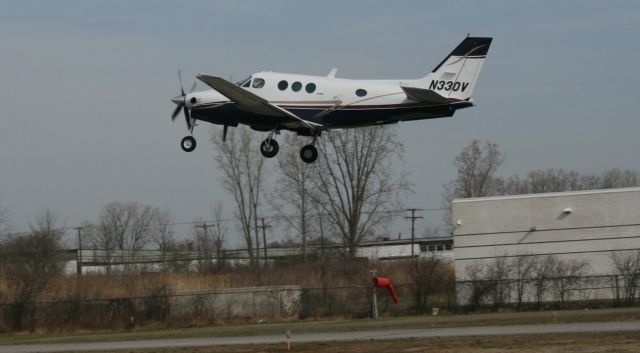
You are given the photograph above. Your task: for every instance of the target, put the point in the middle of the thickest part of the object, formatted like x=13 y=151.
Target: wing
x=250 y=102
x=424 y=95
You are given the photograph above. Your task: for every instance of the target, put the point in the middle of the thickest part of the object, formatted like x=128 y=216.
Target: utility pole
x=374 y=298
x=79 y=251
x=264 y=237
x=413 y=218
x=204 y=227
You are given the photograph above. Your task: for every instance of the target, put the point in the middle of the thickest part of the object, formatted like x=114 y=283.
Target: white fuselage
x=328 y=92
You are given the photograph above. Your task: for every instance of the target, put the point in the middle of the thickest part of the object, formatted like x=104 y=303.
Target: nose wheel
x=309 y=153
x=188 y=143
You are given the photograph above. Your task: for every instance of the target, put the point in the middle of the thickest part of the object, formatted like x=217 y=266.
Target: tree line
x=536 y=281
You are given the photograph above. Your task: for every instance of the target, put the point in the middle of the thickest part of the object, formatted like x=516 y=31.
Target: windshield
x=242 y=82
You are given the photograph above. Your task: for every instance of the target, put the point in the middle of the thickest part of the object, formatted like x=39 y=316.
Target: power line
x=275 y=217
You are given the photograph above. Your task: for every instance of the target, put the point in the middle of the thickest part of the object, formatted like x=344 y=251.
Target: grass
x=412 y=322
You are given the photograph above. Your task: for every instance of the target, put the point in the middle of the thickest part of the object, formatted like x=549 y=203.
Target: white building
x=588 y=226
x=401 y=248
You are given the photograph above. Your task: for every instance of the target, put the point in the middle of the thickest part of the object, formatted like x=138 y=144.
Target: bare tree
x=29 y=263
x=354 y=183
x=432 y=277
x=568 y=275
x=542 y=275
x=522 y=268
x=553 y=180
x=627 y=267
x=498 y=277
x=616 y=178
x=243 y=172
x=476 y=166
x=292 y=200
x=558 y=180
x=476 y=286
x=123 y=227
x=218 y=237
x=163 y=234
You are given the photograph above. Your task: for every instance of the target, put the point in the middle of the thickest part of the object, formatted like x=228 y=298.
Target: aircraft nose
x=178 y=100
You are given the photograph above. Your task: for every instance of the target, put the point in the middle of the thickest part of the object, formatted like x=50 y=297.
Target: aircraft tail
x=455 y=77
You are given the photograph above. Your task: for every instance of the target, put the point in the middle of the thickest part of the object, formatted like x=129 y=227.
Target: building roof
x=547 y=194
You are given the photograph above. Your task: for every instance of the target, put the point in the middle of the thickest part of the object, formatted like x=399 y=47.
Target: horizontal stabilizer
x=424 y=95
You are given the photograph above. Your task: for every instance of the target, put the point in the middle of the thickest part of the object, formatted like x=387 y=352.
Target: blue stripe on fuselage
x=344 y=117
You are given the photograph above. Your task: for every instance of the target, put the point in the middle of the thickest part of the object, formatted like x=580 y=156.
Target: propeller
x=180 y=101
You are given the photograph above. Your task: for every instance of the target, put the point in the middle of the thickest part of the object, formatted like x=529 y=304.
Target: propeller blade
x=187 y=117
x=180 y=79
x=175 y=113
x=224 y=133
x=193 y=87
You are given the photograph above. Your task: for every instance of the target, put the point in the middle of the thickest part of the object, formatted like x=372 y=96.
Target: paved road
x=330 y=337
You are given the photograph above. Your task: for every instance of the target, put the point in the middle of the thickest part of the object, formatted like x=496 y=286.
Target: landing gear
x=269 y=148
x=188 y=144
x=309 y=153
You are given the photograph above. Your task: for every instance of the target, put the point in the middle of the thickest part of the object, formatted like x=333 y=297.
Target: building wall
x=587 y=225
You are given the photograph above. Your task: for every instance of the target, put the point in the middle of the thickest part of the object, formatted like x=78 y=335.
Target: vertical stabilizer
x=455 y=77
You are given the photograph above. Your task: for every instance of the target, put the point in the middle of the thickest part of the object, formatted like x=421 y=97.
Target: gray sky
x=85 y=89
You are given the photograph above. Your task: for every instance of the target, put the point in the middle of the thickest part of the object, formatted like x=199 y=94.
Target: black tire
x=309 y=153
x=188 y=144
x=269 y=148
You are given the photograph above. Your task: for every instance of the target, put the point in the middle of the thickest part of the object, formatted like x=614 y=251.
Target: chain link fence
x=240 y=305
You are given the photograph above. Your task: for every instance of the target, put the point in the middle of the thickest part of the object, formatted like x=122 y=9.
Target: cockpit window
x=244 y=82
x=258 y=83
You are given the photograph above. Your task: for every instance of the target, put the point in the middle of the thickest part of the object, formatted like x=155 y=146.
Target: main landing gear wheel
x=188 y=144
x=269 y=148
x=309 y=153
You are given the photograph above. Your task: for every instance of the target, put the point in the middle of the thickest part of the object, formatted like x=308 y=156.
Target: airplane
x=308 y=105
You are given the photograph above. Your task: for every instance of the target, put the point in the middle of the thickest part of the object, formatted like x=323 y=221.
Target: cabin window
x=247 y=84
x=282 y=85
x=310 y=87
x=296 y=86
x=258 y=83
x=360 y=92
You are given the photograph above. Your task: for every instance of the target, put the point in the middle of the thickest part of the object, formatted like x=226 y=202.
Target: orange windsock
x=386 y=282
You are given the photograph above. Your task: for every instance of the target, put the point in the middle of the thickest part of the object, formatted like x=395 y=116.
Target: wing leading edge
x=252 y=103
